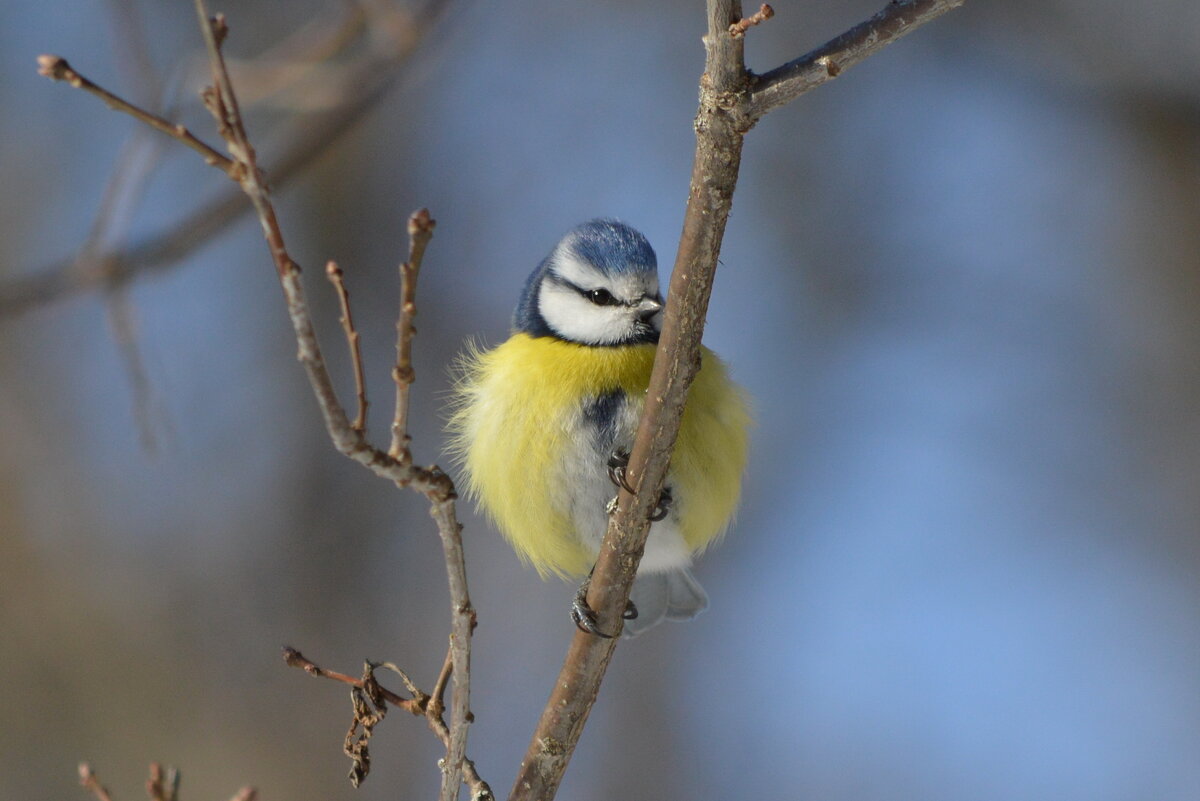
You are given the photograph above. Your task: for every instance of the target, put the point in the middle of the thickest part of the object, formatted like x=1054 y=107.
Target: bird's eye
x=601 y=297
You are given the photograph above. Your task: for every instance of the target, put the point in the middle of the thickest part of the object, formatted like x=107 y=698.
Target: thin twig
x=337 y=278
x=437 y=702
x=58 y=69
x=420 y=231
x=739 y=28
x=415 y=705
x=897 y=19
x=420 y=704
x=89 y=781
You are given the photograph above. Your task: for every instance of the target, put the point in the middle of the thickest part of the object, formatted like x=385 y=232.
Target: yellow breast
x=517 y=414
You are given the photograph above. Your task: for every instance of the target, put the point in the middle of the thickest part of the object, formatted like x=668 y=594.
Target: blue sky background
x=961 y=283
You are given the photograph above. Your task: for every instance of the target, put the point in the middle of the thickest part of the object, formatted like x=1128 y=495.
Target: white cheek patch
x=574 y=317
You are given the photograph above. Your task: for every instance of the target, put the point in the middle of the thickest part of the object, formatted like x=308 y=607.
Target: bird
x=543 y=423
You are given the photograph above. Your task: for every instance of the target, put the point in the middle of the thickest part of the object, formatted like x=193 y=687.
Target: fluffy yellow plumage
x=516 y=423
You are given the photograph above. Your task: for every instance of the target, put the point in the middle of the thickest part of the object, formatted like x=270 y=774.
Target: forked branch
x=897 y=19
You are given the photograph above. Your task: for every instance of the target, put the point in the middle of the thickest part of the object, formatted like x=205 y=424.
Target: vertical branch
x=719 y=132
x=420 y=231
x=433 y=483
x=337 y=278
x=731 y=101
x=462 y=624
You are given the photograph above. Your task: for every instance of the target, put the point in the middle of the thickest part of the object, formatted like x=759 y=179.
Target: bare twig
x=727 y=111
x=437 y=702
x=90 y=782
x=897 y=19
x=421 y=704
x=337 y=278
x=415 y=705
x=420 y=231
x=57 y=68
x=462 y=625
x=739 y=28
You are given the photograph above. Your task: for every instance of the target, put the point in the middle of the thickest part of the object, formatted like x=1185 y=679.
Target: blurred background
x=961 y=283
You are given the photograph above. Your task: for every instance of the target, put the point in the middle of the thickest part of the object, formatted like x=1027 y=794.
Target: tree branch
x=739 y=28
x=730 y=104
x=57 y=68
x=221 y=101
x=898 y=19
x=421 y=704
x=719 y=134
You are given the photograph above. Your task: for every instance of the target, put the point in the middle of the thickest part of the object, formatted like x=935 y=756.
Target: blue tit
x=538 y=420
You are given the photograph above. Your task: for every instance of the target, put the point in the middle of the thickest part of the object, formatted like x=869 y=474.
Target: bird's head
x=599 y=286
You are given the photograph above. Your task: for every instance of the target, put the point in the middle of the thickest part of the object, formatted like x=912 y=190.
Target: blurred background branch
x=299 y=73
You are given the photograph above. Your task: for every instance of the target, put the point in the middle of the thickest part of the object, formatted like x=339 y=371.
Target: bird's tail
x=674 y=596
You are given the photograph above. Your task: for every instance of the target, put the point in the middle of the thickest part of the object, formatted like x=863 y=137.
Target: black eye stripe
x=599 y=296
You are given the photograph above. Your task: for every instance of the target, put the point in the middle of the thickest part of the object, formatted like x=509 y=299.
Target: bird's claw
x=617 y=462
x=585 y=620
x=630 y=612
x=585 y=617
x=664 y=506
